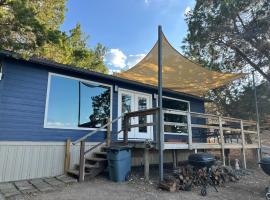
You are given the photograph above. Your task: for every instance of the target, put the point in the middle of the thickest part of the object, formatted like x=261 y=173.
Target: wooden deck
x=175 y=145
x=215 y=132
x=197 y=131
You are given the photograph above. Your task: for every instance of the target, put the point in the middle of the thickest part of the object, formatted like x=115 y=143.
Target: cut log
x=168 y=186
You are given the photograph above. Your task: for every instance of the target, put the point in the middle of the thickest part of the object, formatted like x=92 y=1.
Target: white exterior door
x=129 y=101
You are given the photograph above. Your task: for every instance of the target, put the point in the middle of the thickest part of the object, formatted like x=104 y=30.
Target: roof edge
x=74 y=69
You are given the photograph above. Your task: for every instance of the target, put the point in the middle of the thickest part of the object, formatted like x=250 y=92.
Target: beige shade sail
x=179 y=73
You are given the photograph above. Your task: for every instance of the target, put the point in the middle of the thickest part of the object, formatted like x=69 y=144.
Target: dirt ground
x=250 y=187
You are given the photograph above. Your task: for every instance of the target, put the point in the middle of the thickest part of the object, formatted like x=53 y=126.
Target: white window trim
x=127 y=91
x=45 y=123
x=166 y=97
x=188 y=102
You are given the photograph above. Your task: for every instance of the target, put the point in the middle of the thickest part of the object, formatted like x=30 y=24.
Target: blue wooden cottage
x=43 y=104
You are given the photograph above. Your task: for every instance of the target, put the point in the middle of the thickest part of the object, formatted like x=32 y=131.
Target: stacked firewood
x=186 y=177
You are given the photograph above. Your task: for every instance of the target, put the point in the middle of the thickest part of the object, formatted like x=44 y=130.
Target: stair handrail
x=99 y=129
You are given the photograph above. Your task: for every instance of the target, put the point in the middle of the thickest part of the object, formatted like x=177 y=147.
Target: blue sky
x=128 y=28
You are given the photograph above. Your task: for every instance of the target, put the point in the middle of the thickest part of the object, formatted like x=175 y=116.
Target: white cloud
x=147 y=2
x=116 y=58
x=187 y=10
x=134 y=59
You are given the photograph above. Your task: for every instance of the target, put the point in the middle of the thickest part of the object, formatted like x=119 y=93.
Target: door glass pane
x=142 y=105
x=126 y=106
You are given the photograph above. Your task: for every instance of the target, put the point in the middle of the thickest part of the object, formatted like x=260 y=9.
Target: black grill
x=265 y=165
x=203 y=160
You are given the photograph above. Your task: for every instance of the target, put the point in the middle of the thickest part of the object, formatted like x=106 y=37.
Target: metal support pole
x=174 y=158
x=243 y=145
x=222 y=141
x=160 y=121
x=257 y=116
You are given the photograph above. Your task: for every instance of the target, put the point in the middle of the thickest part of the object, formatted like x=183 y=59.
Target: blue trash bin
x=119 y=163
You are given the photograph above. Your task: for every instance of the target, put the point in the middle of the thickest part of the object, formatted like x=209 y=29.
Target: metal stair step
x=104 y=148
x=86 y=166
x=101 y=154
x=96 y=159
x=75 y=172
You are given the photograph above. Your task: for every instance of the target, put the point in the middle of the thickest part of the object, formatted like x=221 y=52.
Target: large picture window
x=74 y=104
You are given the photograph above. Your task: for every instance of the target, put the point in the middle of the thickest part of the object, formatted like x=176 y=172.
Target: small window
x=77 y=104
x=177 y=122
x=175 y=104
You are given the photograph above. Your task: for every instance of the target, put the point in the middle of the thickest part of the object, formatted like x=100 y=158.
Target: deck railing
x=215 y=132
x=227 y=133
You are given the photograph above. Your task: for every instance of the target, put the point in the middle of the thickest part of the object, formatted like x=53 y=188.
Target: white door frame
x=134 y=134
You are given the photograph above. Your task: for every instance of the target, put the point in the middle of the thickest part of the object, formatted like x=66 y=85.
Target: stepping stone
x=25 y=187
x=41 y=185
x=66 y=179
x=36 y=181
x=30 y=191
x=8 y=190
x=54 y=182
x=8 y=194
x=4 y=186
x=17 y=197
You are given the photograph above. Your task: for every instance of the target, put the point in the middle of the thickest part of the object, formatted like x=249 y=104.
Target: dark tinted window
x=174 y=104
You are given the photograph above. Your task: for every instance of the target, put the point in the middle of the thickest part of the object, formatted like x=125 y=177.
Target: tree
x=31 y=27
x=20 y=30
x=231 y=33
x=73 y=50
x=243 y=105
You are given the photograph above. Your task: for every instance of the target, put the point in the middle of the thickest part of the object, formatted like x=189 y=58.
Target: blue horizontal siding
x=22 y=106
x=23 y=97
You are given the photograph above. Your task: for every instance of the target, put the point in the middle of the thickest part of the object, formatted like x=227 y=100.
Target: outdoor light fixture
x=115 y=88
x=1 y=71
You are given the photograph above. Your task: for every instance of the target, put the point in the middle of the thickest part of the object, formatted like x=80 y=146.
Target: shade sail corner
x=179 y=73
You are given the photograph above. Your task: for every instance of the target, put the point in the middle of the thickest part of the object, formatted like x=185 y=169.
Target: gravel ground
x=250 y=187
